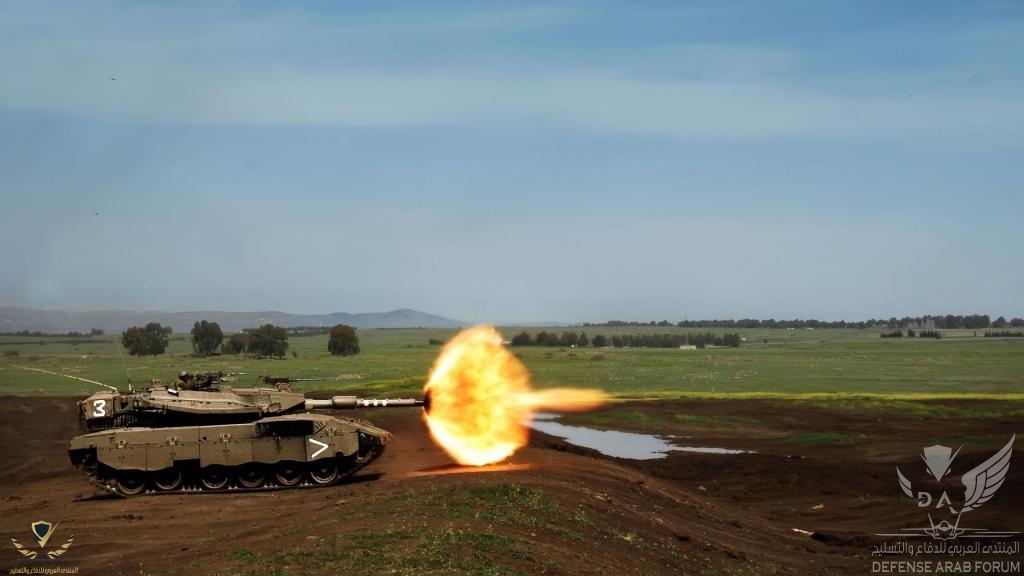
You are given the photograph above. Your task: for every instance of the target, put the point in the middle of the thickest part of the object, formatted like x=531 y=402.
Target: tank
x=217 y=437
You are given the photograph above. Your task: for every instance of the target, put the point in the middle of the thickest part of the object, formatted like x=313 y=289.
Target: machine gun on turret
x=203 y=380
x=283 y=383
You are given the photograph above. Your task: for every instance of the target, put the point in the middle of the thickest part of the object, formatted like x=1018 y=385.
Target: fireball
x=480 y=400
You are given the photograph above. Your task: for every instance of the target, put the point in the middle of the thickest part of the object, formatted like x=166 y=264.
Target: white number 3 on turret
x=99 y=408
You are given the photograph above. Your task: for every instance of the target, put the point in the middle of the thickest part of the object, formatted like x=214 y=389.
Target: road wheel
x=131 y=482
x=366 y=455
x=214 y=477
x=323 y=471
x=168 y=479
x=252 y=476
x=288 y=473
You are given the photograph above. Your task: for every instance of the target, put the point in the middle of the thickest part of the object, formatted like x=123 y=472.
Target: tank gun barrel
x=351 y=402
x=285 y=379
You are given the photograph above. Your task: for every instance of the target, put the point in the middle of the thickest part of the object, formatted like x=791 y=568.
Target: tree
x=206 y=337
x=999 y=322
x=268 y=341
x=150 y=339
x=583 y=340
x=521 y=339
x=343 y=341
x=599 y=341
x=569 y=339
x=545 y=339
x=237 y=344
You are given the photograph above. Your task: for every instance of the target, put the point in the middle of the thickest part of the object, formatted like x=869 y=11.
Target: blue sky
x=515 y=162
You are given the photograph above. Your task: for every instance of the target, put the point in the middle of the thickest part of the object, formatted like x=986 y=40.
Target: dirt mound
x=553 y=508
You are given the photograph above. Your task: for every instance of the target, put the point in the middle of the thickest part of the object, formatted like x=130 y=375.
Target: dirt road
x=552 y=508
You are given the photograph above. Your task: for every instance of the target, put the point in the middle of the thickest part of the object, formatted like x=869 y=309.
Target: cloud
x=589 y=100
x=296 y=68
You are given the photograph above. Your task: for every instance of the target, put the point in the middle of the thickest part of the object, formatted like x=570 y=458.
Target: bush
x=343 y=341
x=545 y=339
x=268 y=341
x=148 y=340
x=237 y=344
x=10 y=353
x=521 y=339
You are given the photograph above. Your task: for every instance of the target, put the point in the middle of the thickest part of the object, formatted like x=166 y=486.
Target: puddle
x=702 y=450
x=618 y=444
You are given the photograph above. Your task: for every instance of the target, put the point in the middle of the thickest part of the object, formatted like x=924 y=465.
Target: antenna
x=111 y=388
x=120 y=353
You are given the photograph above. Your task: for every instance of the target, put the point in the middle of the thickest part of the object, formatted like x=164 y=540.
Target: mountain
x=113 y=321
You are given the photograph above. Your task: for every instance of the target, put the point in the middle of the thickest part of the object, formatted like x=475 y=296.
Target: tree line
x=1004 y=334
x=267 y=341
x=939 y=321
x=572 y=339
x=309 y=330
x=911 y=333
x=41 y=334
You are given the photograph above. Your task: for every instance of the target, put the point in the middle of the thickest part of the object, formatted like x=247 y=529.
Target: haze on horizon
x=556 y=161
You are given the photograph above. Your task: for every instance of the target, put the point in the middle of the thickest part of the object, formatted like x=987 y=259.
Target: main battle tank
x=217 y=437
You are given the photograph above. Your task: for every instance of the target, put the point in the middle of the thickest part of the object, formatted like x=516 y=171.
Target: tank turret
x=162 y=406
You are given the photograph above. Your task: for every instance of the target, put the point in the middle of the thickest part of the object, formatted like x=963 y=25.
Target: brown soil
x=684 y=514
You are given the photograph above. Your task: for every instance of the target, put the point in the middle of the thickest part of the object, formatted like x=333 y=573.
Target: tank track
x=191 y=485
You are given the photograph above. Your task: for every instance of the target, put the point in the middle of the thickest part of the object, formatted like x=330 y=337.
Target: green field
x=786 y=363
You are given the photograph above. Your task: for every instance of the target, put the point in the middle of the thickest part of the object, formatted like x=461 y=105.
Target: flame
x=480 y=400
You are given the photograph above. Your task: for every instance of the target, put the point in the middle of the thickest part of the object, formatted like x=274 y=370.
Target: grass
x=987 y=406
x=481 y=530
x=713 y=421
x=448 y=550
x=825 y=365
x=816 y=438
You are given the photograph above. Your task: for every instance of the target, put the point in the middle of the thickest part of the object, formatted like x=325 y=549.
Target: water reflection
x=618 y=444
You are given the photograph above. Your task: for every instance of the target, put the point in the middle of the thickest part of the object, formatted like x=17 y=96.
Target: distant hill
x=114 y=321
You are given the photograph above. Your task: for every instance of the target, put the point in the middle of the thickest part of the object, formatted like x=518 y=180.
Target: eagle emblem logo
x=980 y=484
x=41 y=533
